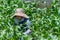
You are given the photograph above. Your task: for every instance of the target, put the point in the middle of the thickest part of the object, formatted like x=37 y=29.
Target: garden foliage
x=45 y=22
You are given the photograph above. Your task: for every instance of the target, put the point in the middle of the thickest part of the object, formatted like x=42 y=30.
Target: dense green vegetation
x=45 y=22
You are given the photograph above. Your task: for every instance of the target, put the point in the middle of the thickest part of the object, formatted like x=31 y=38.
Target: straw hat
x=20 y=12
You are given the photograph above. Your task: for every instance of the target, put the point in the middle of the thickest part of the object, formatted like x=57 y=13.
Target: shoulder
x=26 y=19
x=28 y=22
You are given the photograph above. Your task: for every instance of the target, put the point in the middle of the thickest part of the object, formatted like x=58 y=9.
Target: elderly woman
x=22 y=19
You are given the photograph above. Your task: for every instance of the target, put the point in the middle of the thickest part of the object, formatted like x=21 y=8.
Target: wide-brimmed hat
x=20 y=12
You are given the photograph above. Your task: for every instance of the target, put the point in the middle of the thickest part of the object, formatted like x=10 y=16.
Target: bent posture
x=22 y=19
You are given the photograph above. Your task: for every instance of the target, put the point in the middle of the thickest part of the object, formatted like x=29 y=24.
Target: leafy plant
x=45 y=22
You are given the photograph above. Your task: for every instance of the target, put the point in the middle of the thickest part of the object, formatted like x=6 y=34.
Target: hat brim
x=20 y=14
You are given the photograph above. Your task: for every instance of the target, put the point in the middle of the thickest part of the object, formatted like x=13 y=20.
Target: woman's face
x=18 y=17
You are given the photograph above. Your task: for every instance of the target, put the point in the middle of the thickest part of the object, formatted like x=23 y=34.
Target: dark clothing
x=24 y=24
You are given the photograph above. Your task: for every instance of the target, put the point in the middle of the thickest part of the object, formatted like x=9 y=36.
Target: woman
x=23 y=20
